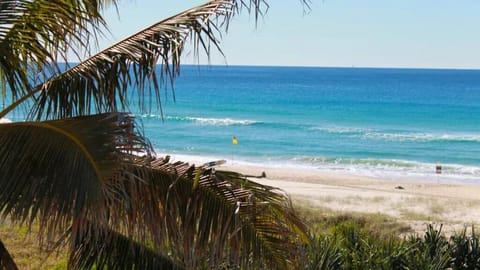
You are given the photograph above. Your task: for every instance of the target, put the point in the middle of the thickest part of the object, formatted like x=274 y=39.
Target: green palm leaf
x=100 y=83
x=83 y=175
x=35 y=33
x=62 y=170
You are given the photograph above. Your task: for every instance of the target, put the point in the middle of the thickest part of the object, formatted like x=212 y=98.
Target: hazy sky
x=345 y=33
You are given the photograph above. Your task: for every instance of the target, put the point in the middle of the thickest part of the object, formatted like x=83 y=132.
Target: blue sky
x=343 y=33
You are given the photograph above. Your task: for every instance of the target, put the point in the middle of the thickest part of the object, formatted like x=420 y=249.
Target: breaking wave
x=370 y=134
x=388 y=166
x=340 y=130
x=422 y=137
x=205 y=121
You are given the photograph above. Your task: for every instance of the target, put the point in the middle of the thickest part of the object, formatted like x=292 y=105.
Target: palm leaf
x=271 y=230
x=209 y=219
x=6 y=260
x=100 y=83
x=34 y=33
x=77 y=172
x=62 y=170
x=107 y=249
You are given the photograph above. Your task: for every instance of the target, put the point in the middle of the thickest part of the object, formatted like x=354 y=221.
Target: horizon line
x=319 y=66
x=346 y=67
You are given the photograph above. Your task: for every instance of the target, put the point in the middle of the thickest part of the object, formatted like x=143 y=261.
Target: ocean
x=386 y=123
x=377 y=122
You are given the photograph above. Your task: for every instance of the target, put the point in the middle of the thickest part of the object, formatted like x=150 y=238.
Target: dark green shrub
x=430 y=251
x=465 y=251
x=356 y=242
x=323 y=254
x=360 y=249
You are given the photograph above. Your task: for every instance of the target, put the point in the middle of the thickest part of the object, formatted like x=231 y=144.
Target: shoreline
x=426 y=172
x=455 y=205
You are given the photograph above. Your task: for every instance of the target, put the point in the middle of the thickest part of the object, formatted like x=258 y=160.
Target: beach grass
x=25 y=249
x=409 y=215
x=323 y=220
x=347 y=239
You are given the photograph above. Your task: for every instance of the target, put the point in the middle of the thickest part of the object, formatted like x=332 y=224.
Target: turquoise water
x=390 y=123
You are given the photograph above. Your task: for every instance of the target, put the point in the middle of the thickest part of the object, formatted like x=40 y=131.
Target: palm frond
x=61 y=170
x=6 y=260
x=107 y=249
x=271 y=229
x=214 y=219
x=35 y=33
x=78 y=172
x=100 y=83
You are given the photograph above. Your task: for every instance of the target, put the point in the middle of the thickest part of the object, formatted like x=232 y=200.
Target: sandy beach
x=412 y=202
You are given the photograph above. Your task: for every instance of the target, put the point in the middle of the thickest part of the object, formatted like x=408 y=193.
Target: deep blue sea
x=389 y=123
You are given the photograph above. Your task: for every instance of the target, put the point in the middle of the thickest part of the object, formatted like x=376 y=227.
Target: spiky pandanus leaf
x=65 y=170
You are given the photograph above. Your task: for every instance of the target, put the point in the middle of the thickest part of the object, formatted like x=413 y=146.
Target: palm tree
x=81 y=169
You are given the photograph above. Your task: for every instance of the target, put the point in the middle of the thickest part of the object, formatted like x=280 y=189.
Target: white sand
x=454 y=205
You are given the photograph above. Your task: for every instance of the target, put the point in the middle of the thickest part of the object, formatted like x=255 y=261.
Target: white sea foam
x=5 y=120
x=203 y=120
x=366 y=133
x=394 y=169
x=377 y=168
x=145 y=115
x=422 y=137
x=192 y=159
x=215 y=121
x=341 y=130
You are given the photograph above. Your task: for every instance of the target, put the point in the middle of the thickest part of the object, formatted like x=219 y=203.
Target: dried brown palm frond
x=80 y=176
x=82 y=173
x=107 y=249
x=208 y=219
x=198 y=218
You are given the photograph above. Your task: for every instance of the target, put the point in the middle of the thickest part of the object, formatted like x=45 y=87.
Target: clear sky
x=343 y=33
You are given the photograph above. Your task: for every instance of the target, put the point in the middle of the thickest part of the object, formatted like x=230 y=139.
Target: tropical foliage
x=82 y=169
x=349 y=244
